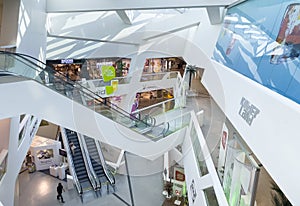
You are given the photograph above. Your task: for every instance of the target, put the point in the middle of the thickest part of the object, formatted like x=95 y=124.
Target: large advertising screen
x=261 y=40
x=288 y=36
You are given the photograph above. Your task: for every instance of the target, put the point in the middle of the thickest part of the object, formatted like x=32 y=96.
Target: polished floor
x=39 y=189
x=146 y=179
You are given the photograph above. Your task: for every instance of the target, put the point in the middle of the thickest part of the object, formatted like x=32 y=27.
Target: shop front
x=238 y=171
x=45 y=152
x=70 y=68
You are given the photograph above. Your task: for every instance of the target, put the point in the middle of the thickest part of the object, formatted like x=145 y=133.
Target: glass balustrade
x=198 y=152
x=101 y=83
x=158 y=76
x=31 y=68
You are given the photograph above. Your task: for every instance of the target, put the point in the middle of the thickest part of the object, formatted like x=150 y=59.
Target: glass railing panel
x=58 y=82
x=159 y=76
x=157 y=108
x=124 y=80
x=152 y=110
x=166 y=128
x=169 y=105
x=19 y=66
x=180 y=122
x=210 y=196
x=98 y=82
x=101 y=83
x=152 y=77
x=240 y=175
x=198 y=152
x=173 y=75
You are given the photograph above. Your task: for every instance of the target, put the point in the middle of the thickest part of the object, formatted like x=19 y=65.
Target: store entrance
x=71 y=70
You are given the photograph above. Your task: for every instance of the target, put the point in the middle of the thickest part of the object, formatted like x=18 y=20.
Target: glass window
x=210 y=196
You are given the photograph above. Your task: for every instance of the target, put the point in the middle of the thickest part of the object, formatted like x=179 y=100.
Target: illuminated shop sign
x=248 y=111
x=67 y=61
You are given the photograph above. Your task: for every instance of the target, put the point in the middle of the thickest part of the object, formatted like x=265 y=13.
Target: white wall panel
x=9 y=24
x=272 y=136
x=32 y=33
x=58 y=109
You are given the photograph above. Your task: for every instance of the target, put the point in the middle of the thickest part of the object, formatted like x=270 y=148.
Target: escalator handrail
x=152 y=122
x=166 y=129
x=88 y=165
x=107 y=172
x=69 y=82
x=84 y=90
x=70 y=160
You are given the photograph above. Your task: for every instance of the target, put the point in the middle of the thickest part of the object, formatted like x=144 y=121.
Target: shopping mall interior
x=134 y=103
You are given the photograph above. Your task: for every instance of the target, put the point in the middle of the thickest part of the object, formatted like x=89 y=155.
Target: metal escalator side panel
x=110 y=177
x=89 y=167
x=80 y=164
x=33 y=68
x=70 y=160
x=94 y=157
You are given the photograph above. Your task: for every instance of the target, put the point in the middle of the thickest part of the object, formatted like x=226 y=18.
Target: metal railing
x=70 y=161
x=88 y=164
x=32 y=68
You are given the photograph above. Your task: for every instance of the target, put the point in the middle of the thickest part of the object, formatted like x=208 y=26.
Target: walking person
x=60 y=189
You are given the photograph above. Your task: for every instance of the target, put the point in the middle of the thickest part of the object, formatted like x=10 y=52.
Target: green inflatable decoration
x=108 y=73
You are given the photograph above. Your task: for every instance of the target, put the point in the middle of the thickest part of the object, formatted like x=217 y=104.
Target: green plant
x=119 y=67
x=191 y=70
x=278 y=197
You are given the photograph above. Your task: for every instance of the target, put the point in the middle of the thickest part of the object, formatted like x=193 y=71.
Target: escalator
x=104 y=175
x=78 y=164
x=29 y=67
x=49 y=95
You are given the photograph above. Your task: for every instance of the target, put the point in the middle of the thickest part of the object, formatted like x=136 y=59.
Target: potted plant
x=191 y=70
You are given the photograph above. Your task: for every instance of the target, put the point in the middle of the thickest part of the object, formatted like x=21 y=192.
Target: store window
x=167 y=64
x=70 y=68
x=149 y=98
x=94 y=66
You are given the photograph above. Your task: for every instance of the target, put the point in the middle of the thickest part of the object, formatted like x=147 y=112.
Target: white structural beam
x=215 y=14
x=113 y=5
x=123 y=15
x=88 y=39
x=165 y=32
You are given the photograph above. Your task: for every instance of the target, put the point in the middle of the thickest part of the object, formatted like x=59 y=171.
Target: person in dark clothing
x=60 y=189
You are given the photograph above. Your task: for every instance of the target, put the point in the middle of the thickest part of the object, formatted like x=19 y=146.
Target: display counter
x=58 y=171
x=45 y=152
